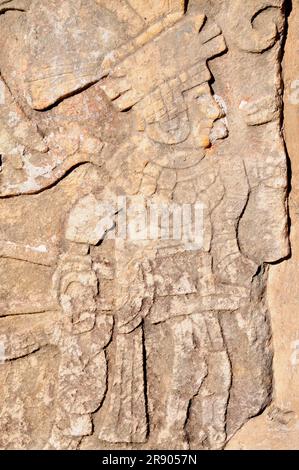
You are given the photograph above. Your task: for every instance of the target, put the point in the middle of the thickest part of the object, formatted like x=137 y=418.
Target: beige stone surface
x=148 y=289
x=278 y=426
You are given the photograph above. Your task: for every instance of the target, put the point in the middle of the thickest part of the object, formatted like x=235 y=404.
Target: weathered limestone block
x=143 y=194
x=277 y=427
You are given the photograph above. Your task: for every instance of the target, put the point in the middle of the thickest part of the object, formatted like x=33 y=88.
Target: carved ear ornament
x=256 y=24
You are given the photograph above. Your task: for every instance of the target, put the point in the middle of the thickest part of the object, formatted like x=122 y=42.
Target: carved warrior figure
x=160 y=79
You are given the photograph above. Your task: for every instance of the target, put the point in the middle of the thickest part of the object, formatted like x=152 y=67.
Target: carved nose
x=214 y=111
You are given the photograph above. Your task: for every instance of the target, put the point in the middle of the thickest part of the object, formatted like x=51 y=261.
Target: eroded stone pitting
x=155 y=342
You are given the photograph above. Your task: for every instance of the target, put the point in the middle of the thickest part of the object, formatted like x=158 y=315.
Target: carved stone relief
x=111 y=111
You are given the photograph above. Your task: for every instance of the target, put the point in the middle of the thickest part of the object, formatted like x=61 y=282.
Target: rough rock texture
x=143 y=195
x=278 y=426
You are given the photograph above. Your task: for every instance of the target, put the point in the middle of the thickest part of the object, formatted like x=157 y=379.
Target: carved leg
x=125 y=414
x=209 y=407
x=201 y=379
x=125 y=419
x=188 y=372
